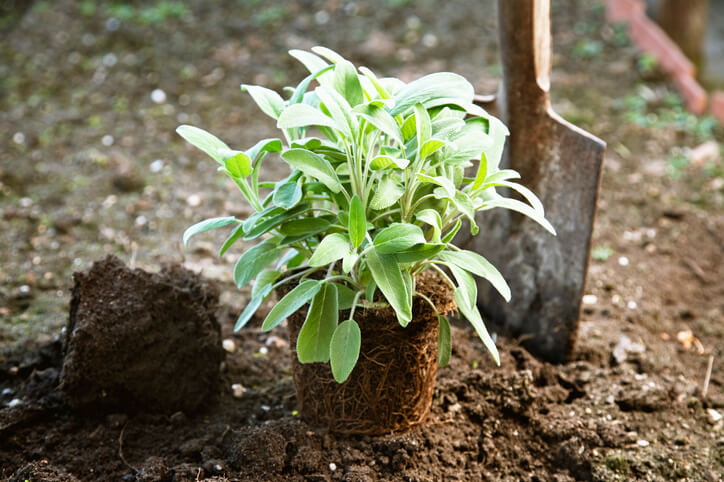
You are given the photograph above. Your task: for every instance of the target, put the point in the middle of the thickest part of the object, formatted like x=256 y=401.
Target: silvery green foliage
x=376 y=193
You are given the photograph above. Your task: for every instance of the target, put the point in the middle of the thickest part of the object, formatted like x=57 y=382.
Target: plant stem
x=354 y=304
x=446 y=277
x=417 y=293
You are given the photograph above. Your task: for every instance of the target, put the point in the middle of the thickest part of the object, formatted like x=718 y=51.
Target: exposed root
x=391 y=387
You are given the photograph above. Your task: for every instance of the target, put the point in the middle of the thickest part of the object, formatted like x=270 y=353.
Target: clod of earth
x=137 y=340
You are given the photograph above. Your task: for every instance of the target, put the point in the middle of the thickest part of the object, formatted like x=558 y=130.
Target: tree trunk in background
x=685 y=22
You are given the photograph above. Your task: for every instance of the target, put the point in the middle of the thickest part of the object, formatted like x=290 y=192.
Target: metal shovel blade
x=561 y=164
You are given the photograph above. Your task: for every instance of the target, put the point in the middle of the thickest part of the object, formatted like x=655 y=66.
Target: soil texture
x=138 y=341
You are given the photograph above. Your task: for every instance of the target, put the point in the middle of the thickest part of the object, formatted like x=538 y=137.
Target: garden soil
x=90 y=94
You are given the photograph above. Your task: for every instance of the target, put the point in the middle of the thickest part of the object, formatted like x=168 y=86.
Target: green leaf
x=430 y=87
x=289 y=259
x=328 y=54
x=419 y=252
x=301 y=88
x=383 y=162
x=441 y=181
x=255 y=226
x=473 y=316
x=344 y=349
x=305 y=226
x=444 y=342
x=407 y=284
x=521 y=207
x=254 y=260
x=381 y=90
x=266 y=277
x=423 y=125
x=398 y=237
x=345 y=297
x=502 y=175
x=303 y=115
x=291 y=302
x=409 y=128
x=314 y=166
x=252 y=306
x=237 y=234
x=357 y=221
x=466 y=284
x=523 y=191
x=256 y=153
x=467 y=107
x=497 y=132
x=264 y=145
x=347 y=83
x=430 y=147
x=451 y=234
x=288 y=195
x=431 y=217
x=208 y=143
x=468 y=143
x=348 y=261
x=370 y=291
x=479 y=266
x=378 y=117
x=313 y=64
x=465 y=205
x=331 y=248
x=388 y=192
x=207 y=225
x=482 y=172
x=237 y=163
x=339 y=109
x=315 y=337
x=268 y=101
x=386 y=273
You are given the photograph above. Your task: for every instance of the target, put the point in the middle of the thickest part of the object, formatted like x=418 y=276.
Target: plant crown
x=377 y=191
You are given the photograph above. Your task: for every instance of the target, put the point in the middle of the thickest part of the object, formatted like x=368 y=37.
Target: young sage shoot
x=378 y=187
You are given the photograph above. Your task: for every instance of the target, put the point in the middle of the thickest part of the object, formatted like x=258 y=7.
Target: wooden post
x=685 y=22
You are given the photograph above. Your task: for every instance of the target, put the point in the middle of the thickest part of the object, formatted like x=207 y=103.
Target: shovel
x=561 y=164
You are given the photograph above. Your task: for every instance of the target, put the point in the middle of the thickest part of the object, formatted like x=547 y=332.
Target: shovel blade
x=561 y=164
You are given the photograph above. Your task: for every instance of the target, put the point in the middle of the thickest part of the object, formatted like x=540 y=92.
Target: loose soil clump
x=141 y=341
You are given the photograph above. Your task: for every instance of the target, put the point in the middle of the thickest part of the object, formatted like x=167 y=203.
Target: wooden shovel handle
x=524 y=28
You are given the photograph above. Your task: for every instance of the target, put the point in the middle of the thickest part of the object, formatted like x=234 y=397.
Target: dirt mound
x=141 y=341
x=42 y=471
x=525 y=420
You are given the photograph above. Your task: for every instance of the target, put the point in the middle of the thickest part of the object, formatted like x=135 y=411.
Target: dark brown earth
x=631 y=405
x=137 y=341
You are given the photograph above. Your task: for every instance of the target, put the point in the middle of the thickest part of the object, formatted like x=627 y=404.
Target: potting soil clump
x=141 y=341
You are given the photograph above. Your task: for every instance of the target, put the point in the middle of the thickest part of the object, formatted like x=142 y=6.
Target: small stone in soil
x=14 y=402
x=158 y=96
x=714 y=416
x=193 y=200
x=229 y=345
x=332 y=466
x=590 y=299
x=454 y=408
x=643 y=443
x=237 y=390
x=276 y=342
x=156 y=166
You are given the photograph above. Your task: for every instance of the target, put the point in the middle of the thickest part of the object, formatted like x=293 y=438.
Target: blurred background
x=91 y=92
